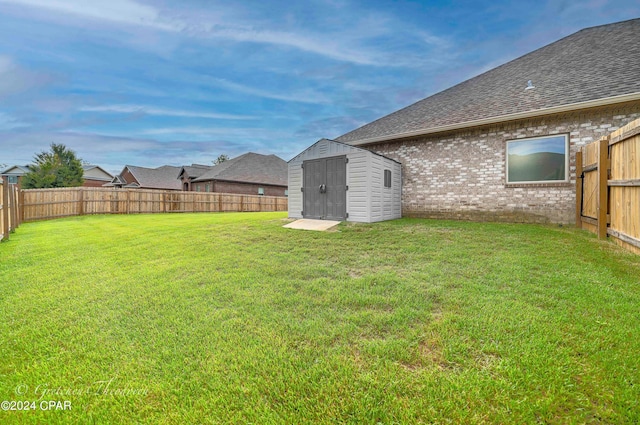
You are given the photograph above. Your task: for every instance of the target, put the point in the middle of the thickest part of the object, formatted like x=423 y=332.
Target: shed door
x=325 y=188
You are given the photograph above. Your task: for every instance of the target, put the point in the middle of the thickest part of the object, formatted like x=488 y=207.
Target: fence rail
x=10 y=215
x=42 y=204
x=608 y=187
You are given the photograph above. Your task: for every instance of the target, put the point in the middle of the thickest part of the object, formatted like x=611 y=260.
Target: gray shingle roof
x=18 y=170
x=194 y=170
x=592 y=64
x=165 y=177
x=250 y=168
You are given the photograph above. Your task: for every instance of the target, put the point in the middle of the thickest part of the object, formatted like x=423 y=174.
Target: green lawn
x=229 y=318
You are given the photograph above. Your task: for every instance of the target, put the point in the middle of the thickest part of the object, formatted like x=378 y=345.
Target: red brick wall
x=93 y=183
x=128 y=177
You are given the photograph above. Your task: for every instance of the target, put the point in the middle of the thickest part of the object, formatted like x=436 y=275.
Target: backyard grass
x=230 y=318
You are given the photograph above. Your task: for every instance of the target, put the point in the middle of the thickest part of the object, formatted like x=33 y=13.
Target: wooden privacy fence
x=608 y=187
x=41 y=204
x=10 y=215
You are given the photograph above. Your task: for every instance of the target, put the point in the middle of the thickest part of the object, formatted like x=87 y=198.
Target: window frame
x=567 y=155
x=386 y=179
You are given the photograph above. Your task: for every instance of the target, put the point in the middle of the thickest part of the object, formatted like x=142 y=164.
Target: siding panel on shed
x=366 y=199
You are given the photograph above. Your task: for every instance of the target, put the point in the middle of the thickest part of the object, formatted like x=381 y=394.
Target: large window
x=538 y=160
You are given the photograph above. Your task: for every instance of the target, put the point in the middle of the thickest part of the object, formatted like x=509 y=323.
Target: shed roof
x=250 y=168
x=592 y=67
x=351 y=147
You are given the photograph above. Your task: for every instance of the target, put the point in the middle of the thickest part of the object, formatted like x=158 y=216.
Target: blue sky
x=178 y=82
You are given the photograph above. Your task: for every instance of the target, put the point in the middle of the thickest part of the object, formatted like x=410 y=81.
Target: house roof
x=95 y=172
x=250 y=168
x=194 y=170
x=165 y=177
x=16 y=170
x=592 y=67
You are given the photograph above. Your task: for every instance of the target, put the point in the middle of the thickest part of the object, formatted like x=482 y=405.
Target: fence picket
x=37 y=203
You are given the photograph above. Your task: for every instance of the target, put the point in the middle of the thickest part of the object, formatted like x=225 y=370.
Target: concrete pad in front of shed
x=308 y=224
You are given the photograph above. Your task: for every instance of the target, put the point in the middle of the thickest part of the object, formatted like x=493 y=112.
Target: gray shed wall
x=367 y=199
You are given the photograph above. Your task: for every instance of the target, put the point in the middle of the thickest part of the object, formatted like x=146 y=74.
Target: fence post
x=13 y=212
x=21 y=204
x=603 y=186
x=5 y=207
x=579 y=189
x=80 y=201
x=127 y=202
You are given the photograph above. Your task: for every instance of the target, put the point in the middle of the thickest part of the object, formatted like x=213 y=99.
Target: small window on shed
x=207 y=188
x=286 y=192
x=387 y=178
x=197 y=188
x=261 y=191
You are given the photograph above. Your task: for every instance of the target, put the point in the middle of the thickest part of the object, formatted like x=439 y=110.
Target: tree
x=221 y=158
x=57 y=168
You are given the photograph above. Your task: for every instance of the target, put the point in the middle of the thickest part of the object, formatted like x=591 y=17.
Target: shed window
x=538 y=160
x=286 y=192
x=13 y=179
x=260 y=191
x=207 y=188
x=197 y=188
x=387 y=178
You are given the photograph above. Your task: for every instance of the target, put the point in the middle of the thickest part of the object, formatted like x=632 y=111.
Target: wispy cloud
x=17 y=79
x=116 y=11
x=150 y=110
x=302 y=96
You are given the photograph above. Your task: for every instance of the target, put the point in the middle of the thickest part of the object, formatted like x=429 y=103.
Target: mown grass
x=230 y=318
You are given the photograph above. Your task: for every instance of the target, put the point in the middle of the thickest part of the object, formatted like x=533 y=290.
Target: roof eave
x=502 y=118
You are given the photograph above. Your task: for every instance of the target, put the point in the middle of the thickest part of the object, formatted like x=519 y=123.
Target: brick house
x=162 y=178
x=188 y=173
x=501 y=146
x=14 y=173
x=248 y=174
x=94 y=175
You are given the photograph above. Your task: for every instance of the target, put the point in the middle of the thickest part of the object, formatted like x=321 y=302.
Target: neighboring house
x=335 y=181
x=190 y=172
x=248 y=174
x=95 y=176
x=501 y=146
x=164 y=177
x=14 y=173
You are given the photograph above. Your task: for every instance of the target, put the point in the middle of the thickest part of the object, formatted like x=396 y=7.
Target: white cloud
x=117 y=11
x=342 y=43
x=149 y=110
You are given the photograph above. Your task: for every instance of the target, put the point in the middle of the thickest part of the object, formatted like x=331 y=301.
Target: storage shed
x=334 y=181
